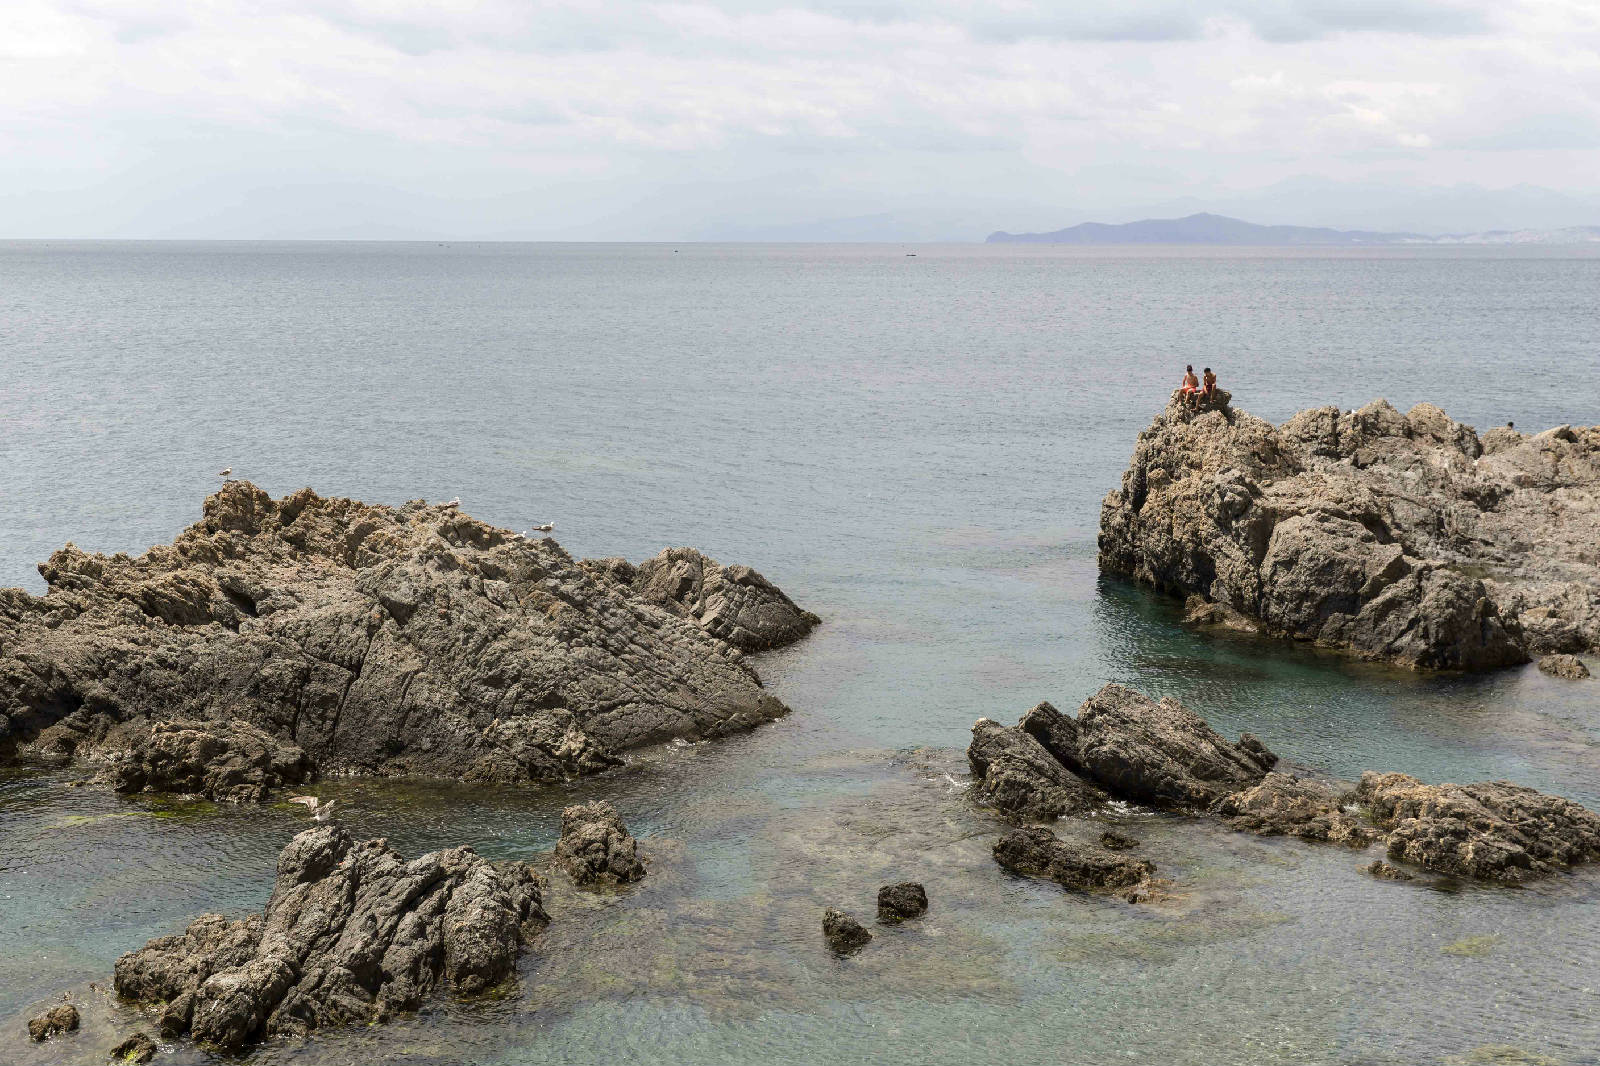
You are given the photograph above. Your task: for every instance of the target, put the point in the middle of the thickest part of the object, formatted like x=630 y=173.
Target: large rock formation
x=1492 y=830
x=351 y=935
x=1403 y=537
x=1016 y=774
x=1285 y=805
x=230 y=761
x=408 y=640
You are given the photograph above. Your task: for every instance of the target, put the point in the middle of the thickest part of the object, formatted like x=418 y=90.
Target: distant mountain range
x=1206 y=228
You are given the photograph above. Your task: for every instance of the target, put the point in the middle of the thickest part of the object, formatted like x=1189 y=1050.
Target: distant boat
x=911 y=255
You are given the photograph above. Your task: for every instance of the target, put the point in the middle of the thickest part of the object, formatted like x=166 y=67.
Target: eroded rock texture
x=1285 y=805
x=233 y=762
x=1492 y=830
x=62 y=1018
x=843 y=933
x=898 y=902
x=352 y=934
x=1036 y=852
x=408 y=640
x=595 y=847
x=1403 y=537
x=1014 y=773
x=1568 y=666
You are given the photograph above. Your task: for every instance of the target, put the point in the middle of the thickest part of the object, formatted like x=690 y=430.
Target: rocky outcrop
x=1037 y=852
x=62 y=1018
x=1285 y=805
x=733 y=603
x=898 y=902
x=233 y=762
x=1402 y=537
x=1568 y=666
x=402 y=640
x=1159 y=754
x=1016 y=774
x=843 y=933
x=1492 y=830
x=137 y=1050
x=352 y=934
x=595 y=847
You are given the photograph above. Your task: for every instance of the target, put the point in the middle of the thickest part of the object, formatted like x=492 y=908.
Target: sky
x=768 y=119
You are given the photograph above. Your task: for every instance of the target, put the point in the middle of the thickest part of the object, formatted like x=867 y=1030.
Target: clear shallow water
x=914 y=448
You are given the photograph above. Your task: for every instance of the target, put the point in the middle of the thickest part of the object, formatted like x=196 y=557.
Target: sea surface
x=914 y=446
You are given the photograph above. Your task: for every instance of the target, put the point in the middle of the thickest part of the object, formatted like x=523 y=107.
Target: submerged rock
x=352 y=934
x=232 y=762
x=1568 y=666
x=1492 y=830
x=898 y=902
x=1385 y=872
x=843 y=933
x=595 y=847
x=1401 y=537
x=404 y=640
x=1114 y=841
x=1285 y=805
x=137 y=1049
x=1016 y=774
x=62 y=1018
x=1037 y=852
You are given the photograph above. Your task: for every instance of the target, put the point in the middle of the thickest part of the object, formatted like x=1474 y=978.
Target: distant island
x=1206 y=228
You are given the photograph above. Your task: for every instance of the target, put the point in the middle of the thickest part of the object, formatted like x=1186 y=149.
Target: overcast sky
x=619 y=120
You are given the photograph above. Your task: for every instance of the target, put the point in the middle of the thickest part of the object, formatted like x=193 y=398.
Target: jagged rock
x=733 y=603
x=1014 y=773
x=137 y=1049
x=62 y=1018
x=595 y=847
x=1568 y=666
x=1111 y=840
x=1396 y=536
x=229 y=761
x=1385 y=872
x=404 y=640
x=1037 y=852
x=1492 y=830
x=898 y=902
x=844 y=934
x=352 y=934
x=1285 y=805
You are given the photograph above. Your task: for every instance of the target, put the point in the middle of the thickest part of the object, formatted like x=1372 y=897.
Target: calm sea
x=912 y=445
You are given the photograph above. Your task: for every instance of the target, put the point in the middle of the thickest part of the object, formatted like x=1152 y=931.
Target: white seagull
x=320 y=812
x=225 y=474
x=547 y=527
x=455 y=502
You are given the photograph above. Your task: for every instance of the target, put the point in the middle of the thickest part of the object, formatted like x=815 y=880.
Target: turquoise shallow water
x=913 y=447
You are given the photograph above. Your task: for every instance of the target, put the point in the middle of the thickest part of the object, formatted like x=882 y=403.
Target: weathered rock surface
x=233 y=762
x=1285 y=805
x=898 y=902
x=1115 y=841
x=1016 y=774
x=1492 y=830
x=352 y=934
x=595 y=847
x=843 y=933
x=1037 y=852
x=62 y=1018
x=733 y=603
x=138 y=1049
x=1402 y=537
x=1568 y=666
x=1385 y=872
x=407 y=640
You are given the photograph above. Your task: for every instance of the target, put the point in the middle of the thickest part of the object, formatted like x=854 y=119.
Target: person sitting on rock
x=1191 y=384
x=1208 y=390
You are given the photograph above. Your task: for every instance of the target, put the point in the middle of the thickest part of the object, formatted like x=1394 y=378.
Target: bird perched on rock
x=547 y=527
x=225 y=474
x=455 y=502
x=320 y=812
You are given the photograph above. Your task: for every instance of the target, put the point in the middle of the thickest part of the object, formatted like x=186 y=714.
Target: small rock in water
x=62 y=1018
x=1386 y=872
x=844 y=933
x=898 y=902
x=1115 y=841
x=595 y=847
x=137 y=1049
x=1568 y=666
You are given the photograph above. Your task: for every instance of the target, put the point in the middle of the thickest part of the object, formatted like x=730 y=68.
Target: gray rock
x=900 y=901
x=402 y=640
x=1037 y=852
x=1285 y=805
x=733 y=603
x=843 y=933
x=595 y=847
x=62 y=1018
x=1014 y=773
x=232 y=762
x=1568 y=666
x=1492 y=830
x=1396 y=536
x=138 y=1049
x=352 y=934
